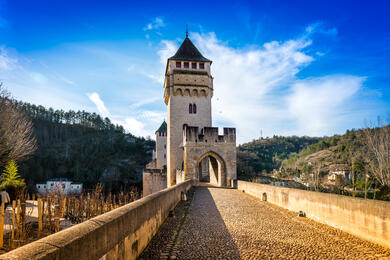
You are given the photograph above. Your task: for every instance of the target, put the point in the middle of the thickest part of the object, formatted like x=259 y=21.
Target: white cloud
x=6 y=62
x=156 y=117
x=320 y=103
x=257 y=88
x=95 y=98
x=157 y=22
x=132 y=125
x=168 y=48
x=145 y=102
x=156 y=78
x=246 y=81
x=319 y=27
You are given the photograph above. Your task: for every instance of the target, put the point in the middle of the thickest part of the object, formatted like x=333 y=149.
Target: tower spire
x=186 y=30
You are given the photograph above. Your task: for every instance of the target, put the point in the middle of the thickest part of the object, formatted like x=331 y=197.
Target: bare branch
x=16 y=131
x=377 y=142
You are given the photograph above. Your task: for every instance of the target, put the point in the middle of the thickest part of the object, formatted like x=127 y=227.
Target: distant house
x=280 y=183
x=59 y=185
x=288 y=184
x=339 y=174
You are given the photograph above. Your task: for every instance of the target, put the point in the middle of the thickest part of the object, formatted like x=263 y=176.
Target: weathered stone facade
x=188 y=89
x=207 y=143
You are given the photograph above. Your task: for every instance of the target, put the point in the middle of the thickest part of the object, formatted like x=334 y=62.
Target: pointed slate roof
x=162 y=128
x=188 y=51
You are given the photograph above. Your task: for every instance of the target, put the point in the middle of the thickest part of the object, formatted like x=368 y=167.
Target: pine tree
x=11 y=177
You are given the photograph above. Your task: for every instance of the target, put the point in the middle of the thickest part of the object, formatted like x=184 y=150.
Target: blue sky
x=280 y=67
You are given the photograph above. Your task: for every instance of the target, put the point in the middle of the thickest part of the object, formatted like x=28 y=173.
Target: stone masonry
x=190 y=137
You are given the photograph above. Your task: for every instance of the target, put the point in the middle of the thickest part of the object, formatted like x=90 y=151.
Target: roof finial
x=186 y=30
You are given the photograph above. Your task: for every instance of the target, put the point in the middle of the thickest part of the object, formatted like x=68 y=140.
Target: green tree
x=10 y=178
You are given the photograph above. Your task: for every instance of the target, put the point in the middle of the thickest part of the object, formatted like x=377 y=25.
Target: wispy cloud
x=321 y=103
x=145 y=102
x=95 y=98
x=6 y=62
x=130 y=124
x=156 y=23
x=319 y=27
x=29 y=80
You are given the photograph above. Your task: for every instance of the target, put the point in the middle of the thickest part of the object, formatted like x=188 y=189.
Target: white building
x=62 y=185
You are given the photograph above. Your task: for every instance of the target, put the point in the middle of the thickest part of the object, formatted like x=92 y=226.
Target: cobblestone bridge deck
x=218 y=223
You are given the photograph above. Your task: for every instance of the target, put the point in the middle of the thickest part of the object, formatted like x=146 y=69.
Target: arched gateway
x=190 y=147
x=207 y=152
x=212 y=169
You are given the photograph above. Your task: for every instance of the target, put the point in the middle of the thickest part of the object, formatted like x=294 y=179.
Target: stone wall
x=119 y=234
x=367 y=219
x=184 y=86
x=178 y=115
x=153 y=180
x=161 y=150
x=201 y=143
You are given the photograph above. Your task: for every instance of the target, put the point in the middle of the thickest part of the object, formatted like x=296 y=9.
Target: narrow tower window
x=194 y=108
x=186 y=65
x=190 y=109
x=201 y=66
x=178 y=64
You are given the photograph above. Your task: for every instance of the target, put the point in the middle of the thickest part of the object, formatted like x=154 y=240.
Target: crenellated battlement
x=192 y=134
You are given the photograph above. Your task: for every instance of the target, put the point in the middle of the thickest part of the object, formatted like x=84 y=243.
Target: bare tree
x=16 y=131
x=377 y=142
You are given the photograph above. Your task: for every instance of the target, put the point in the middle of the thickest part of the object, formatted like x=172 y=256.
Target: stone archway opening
x=211 y=169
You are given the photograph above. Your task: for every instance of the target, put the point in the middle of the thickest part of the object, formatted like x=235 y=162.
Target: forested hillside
x=338 y=149
x=266 y=154
x=83 y=147
x=363 y=153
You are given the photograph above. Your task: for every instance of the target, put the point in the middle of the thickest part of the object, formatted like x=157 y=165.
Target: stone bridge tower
x=188 y=89
x=194 y=149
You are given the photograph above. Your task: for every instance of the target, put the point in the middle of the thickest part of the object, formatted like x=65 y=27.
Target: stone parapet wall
x=179 y=176
x=122 y=233
x=367 y=219
x=153 y=180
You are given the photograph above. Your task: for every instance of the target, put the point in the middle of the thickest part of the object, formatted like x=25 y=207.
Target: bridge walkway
x=219 y=223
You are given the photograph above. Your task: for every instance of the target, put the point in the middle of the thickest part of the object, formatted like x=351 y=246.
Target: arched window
x=190 y=109
x=194 y=108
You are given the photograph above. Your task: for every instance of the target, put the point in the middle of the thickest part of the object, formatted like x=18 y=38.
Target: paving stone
x=228 y=224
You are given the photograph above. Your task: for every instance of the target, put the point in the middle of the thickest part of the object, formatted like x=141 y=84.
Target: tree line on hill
x=266 y=154
x=78 y=145
x=364 y=154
